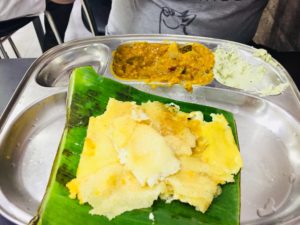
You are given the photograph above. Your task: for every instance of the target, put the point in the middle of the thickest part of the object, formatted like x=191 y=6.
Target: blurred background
x=279 y=29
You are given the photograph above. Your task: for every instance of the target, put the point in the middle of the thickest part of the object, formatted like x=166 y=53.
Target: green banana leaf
x=88 y=96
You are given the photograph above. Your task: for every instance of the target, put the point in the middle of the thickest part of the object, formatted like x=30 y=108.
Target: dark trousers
x=60 y=14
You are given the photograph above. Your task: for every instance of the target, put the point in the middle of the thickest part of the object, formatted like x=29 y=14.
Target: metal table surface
x=13 y=70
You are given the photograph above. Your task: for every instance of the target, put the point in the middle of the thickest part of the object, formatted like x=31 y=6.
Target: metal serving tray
x=268 y=130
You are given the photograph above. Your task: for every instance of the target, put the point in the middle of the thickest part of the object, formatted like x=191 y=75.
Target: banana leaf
x=88 y=96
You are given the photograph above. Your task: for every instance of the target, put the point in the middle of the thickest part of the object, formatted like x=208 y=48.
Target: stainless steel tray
x=268 y=130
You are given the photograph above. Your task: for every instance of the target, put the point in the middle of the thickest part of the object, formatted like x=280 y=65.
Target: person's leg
x=60 y=12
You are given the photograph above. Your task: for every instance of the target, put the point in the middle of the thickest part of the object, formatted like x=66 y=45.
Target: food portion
x=134 y=154
x=195 y=64
x=164 y=62
x=234 y=70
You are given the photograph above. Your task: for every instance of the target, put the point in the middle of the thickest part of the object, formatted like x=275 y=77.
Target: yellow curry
x=164 y=63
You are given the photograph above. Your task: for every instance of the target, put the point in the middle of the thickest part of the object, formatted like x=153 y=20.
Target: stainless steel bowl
x=268 y=129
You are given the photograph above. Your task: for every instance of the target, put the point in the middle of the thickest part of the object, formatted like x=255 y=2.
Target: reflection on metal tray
x=268 y=130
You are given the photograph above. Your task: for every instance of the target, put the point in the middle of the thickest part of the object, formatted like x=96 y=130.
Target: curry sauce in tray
x=169 y=63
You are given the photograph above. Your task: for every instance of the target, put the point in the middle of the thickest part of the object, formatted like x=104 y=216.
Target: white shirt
x=235 y=20
x=11 y=9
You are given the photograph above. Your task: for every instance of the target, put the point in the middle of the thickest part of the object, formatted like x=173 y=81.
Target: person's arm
x=12 y=9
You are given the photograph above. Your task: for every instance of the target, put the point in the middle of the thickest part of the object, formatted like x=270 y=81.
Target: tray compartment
x=58 y=67
x=268 y=136
x=27 y=154
x=273 y=75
